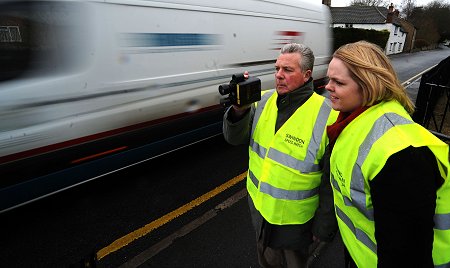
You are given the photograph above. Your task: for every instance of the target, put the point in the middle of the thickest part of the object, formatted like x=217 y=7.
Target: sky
x=397 y=3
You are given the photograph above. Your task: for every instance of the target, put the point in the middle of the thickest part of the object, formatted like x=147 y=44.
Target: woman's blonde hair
x=374 y=73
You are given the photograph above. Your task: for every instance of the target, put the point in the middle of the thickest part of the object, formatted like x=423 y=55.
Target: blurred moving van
x=91 y=87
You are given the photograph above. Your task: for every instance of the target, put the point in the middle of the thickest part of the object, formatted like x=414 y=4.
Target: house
x=377 y=18
x=411 y=31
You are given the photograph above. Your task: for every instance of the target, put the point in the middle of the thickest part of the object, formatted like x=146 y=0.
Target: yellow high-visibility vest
x=360 y=152
x=284 y=173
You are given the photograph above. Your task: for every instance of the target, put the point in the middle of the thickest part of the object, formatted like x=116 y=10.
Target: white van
x=90 y=87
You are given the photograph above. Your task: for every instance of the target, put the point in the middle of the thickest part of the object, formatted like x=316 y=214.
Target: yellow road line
x=127 y=239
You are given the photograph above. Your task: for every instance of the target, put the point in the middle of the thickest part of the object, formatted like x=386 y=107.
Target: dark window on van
x=10 y=34
x=39 y=37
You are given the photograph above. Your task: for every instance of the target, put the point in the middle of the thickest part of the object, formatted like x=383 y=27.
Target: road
x=184 y=209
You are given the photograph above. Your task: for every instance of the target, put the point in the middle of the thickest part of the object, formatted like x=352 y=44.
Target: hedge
x=349 y=35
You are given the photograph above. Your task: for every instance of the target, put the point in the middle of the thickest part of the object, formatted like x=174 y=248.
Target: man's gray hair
x=307 y=55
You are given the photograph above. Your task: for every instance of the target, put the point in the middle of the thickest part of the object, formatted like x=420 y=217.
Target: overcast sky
x=397 y=3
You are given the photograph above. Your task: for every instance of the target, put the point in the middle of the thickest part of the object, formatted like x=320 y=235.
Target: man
x=286 y=134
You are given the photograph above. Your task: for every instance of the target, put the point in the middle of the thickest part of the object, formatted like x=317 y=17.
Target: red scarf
x=342 y=121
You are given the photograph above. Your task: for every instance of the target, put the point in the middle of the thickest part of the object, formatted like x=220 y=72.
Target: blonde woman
x=390 y=176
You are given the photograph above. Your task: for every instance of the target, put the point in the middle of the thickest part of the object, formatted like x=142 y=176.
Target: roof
x=359 y=15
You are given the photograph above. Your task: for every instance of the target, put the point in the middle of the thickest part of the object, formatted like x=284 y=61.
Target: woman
x=390 y=176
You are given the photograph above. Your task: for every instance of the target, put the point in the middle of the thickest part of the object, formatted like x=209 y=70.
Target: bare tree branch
x=407 y=8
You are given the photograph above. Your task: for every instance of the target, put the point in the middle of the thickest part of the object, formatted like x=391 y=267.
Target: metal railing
x=433 y=101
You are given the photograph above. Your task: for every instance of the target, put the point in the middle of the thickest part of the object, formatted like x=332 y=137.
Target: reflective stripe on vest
x=281 y=193
x=359 y=234
x=359 y=193
x=259 y=108
x=308 y=166
x=442 y=221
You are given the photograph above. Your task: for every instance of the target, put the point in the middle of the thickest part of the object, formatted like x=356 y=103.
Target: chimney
x=390 y=14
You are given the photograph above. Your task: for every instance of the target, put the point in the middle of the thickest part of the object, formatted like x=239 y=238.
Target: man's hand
x=239 y=111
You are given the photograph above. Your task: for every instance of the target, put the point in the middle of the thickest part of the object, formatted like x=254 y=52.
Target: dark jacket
x=404 y=201
x=324 y=225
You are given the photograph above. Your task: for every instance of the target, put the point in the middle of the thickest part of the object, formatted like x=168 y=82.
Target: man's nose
x=278 y=74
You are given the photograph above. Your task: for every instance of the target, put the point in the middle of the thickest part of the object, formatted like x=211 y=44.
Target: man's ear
x=307 y=75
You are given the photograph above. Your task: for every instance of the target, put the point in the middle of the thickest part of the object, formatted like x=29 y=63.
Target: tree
x=440 y=12
x=407 y=8
x=432 y=22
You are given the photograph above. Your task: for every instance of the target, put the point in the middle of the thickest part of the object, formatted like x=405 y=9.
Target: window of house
x=395 y=30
